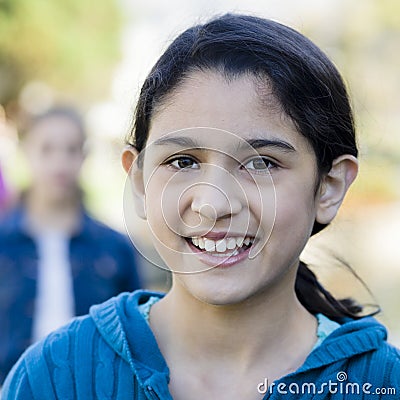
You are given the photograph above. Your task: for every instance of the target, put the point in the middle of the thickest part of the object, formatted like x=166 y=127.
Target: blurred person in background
x=55 y=260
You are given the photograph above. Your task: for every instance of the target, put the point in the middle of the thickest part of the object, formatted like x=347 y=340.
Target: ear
x=334 y=186
x=130 y=158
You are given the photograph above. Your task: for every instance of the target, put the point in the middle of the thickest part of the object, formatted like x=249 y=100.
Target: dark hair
x=65 y=112
x=307 y=85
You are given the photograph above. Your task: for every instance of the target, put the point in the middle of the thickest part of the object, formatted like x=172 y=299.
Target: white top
x=54 y=304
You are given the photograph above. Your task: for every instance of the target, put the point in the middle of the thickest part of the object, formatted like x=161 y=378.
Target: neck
x=44 y=212
x=271 y=326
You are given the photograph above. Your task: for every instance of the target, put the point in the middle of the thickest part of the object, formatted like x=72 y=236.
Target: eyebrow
x=181 y=141
x=188 y=142
x=277 y=143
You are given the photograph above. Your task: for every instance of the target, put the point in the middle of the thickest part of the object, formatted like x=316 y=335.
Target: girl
x=243 y=146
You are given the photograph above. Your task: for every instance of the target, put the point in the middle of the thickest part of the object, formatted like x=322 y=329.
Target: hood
x=123 y=327
x=354 y=337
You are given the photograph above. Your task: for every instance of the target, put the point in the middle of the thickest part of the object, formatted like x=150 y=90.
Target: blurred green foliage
x=69 y=44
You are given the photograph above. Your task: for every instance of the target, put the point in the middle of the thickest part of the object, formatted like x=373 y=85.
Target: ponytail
x=316 y=299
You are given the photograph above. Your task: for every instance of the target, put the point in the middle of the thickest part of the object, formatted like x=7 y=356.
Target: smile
x=224 y=247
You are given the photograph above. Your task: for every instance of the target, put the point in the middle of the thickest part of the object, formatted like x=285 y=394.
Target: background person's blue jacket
x=103 y=264
x=112 y=354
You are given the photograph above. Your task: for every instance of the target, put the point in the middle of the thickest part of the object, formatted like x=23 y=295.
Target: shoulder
x=386 y=356
x=379 y=368
x=360 y=349
x=54 y=363
x=383 y=376
x=370 y=336
x=81 y=359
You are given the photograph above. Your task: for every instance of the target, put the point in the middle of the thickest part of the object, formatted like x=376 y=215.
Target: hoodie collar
x=123 y=327
x=352 y=338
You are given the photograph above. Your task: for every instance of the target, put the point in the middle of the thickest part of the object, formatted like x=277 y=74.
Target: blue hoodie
x=112 y=354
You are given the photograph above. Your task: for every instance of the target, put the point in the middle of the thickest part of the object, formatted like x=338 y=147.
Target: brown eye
x=184 y=163
x=260 y=164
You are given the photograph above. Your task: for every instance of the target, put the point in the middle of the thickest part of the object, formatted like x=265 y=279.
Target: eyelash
x=267 y=162
x=171 y=161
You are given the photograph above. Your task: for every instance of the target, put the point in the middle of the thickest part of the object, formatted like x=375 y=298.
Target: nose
x=217 y=196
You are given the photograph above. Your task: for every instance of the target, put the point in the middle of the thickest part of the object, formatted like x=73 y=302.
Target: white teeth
x=210 y=245
x=221 y=245
x=231 y=243
x=239 y=242
x=201 y=243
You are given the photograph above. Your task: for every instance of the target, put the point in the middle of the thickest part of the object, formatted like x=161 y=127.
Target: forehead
x=58 y=129
x=207 y=107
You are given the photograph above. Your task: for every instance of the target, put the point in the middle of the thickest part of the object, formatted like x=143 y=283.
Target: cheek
x=164 y=220
x=163 y=207
x=262 y=203
x=296 y=211
x=169 y=199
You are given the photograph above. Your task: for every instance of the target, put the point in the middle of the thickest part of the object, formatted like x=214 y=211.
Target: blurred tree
x=69 y=44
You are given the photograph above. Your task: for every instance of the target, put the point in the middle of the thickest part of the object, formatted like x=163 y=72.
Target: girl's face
x=224 y=171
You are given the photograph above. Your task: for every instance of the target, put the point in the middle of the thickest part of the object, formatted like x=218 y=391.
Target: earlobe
x=135 y=175
x=334 y=187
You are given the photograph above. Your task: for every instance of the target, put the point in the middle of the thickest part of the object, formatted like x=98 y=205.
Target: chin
x=217 y=291
x=217 y=296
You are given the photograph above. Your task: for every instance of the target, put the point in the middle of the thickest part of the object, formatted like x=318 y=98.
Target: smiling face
x=228 y=186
